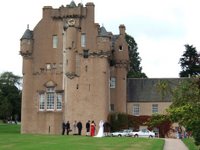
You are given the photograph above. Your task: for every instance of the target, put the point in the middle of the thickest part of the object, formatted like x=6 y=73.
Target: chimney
x=122 y=29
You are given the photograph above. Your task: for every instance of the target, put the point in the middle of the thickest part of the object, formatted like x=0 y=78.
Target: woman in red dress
x=92 y=128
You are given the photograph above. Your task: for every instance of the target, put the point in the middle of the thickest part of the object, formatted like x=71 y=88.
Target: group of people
x=90 y=128
x=66 y=128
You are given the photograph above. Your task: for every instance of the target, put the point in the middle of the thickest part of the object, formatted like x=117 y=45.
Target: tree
x=10 y=96
x=161 y=122
x=135 y=60
x=185 y=108
x=163 y=88
x=190 y=62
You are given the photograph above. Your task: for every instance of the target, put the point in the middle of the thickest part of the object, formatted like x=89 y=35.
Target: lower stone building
x=150 y=95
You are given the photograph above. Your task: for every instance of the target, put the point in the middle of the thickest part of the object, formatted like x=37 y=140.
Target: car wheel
x=119 y=135
x=135 y=135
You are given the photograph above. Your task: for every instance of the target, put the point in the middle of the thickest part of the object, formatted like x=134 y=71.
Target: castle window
x=154 y=108
x=136 y=109
x=112 y=82
x=59 y=101
x=50 y=98
x=120 y=48
x=55 y=41
x=42 y=102
x=83 y=40
x=85 y=53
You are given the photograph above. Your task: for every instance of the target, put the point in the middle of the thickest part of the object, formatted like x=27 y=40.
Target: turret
x=26 y=43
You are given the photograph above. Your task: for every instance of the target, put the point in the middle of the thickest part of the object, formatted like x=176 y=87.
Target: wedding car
x=143 y=133
x=125 y=132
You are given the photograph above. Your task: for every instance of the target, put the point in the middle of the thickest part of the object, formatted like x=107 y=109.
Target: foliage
x=118 y=121
x=188 y=91
x=185 y=108
x=190 y=62
x=161 y=122
x=17 y=141
x=136 y=121
x=163 y=88
x=189 y=142
x=10 y=95
x=135 y=60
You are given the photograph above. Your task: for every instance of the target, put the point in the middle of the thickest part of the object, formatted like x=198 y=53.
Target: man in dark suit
x=63 y=128
x=68 y=127
x=87 y=128
x=79 y=126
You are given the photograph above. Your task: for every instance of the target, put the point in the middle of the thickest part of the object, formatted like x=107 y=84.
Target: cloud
x=160 y=28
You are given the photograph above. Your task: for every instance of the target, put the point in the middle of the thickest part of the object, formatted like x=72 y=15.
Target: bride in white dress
x=100 y=133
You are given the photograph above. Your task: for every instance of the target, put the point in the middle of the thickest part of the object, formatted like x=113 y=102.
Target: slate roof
x=28 y=34
x=72 y=4
x=103 y=32
x=145 y=89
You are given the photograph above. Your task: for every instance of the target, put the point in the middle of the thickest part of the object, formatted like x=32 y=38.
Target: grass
x=11 y=139
x=189 y=142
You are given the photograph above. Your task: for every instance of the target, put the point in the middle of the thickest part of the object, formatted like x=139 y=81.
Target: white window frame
x=154 y=108
x=136 y=109
x=59 y=101
x=50 y=98
x=42 y=102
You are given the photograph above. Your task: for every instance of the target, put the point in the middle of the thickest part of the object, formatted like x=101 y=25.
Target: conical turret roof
x=72 y=4
x=103 y=31
x=28 y=34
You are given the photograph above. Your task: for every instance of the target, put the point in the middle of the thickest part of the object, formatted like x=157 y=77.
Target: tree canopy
x=10 y=96
x=185 y=108
x=135 y=60
x=190 y=62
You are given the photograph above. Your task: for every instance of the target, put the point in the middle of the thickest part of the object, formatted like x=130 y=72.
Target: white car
x=143 y=133
x=125 y=132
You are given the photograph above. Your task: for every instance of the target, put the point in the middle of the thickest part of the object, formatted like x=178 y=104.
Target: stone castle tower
x=73 y=69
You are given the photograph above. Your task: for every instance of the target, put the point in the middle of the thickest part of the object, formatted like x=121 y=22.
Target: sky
x=160 y=28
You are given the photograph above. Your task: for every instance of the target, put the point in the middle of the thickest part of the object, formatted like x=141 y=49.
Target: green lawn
x=11 y=139
x=190 y=144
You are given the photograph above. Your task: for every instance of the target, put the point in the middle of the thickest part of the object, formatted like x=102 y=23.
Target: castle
x=73 y=69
